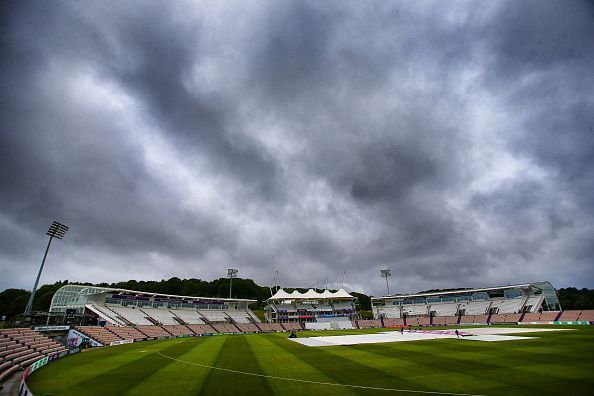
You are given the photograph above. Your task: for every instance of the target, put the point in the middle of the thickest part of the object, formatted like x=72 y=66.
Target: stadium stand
x=549 y=316
x=504 y=318
x=475 y=307
x=291 y=326
x=444 y=309
x=587 y=316
x=311 y=306
x=22 y=346
x=392 y=312
x=270 y=327
x=202 y=329
x=239 y=316
x=98 y=333
x=126 y=333
x=178 y=330
x=532 y=317
x=415 y=310
x=474 y=319
x=368 y=323
x=161 y=315
x=445 y=320
x=532 y=303
x=106 y=314
x=131 y=315
x=505 y=306
x=469 y=303
x=189 y=316
x=153 y=332
x=214 y=316
x=394 y=322
x=569 y=316
x=248 y=328
x=225 y=328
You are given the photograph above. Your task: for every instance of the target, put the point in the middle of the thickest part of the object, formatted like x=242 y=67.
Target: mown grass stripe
x=417 y=371
x=236 y=355
x=60 y=376
x=279 y=362
x=335 y=367
x=180 y=378
x=358 y=387
x=118 y=380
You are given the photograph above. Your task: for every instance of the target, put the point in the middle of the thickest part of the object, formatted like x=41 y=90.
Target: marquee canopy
x=311 y=294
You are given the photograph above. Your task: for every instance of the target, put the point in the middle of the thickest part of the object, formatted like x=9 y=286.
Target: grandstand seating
x=475 y=307
x=445 y=320
x=239 y=316
x=188 y=316
x=271 y=327
x=549 y=316
x=531 y=317
x=248 y=327
x=412 y=321
x=390 y=311
x=569 y=316
x=369 y=323
x=153 y=331
x=126 y=333
x=508 y=305
x=161 y=315
x=415 y=309
x=132 y=315
x=225 y=328
x=343 y=305
x=394 y=322
x=444 y=309
x=505 y=318
x=22 y=346
x=106 y=314
x=478 y=319
x=201 y=329
x=587 y=316
x=214 y=316
x=533 y=303
x=99 y=334
x=178 y=330
x=291 y=326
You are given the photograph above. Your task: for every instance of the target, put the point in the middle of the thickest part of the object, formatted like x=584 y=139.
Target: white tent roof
x=281 y=294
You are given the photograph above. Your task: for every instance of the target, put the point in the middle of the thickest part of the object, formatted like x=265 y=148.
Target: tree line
x=14 y=301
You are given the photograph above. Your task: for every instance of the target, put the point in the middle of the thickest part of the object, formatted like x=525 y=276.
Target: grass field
x=553 y=363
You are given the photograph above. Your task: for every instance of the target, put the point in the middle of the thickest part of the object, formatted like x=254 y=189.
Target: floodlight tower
x=56 y=230
x=231 y=273
x=385 y=273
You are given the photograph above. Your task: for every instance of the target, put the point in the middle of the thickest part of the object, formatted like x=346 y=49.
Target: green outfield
x=270 y=364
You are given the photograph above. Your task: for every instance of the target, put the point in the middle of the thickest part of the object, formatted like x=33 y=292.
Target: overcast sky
x=452 y=142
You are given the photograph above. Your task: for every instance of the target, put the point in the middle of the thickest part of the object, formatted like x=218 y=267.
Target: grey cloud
x=335 y=136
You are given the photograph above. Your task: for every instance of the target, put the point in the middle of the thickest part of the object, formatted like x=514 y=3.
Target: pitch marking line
x=316 y=382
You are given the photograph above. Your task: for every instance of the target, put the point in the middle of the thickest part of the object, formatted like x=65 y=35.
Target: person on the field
x=402 y=330
x=457 y=333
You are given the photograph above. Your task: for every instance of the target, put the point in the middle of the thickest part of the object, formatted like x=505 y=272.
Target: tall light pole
x=385 y=273
x=56 y=230
x=231 y=273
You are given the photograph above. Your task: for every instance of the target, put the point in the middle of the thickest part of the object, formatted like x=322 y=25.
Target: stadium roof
x=460 y=291
x=281 y=294
x=99 y=290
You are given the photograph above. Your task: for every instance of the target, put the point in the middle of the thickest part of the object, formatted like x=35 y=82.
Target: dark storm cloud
x=451 y=143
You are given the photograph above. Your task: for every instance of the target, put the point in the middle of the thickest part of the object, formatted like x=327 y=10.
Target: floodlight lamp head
x=231 y=272
x=385 y=273
x=57 y=230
